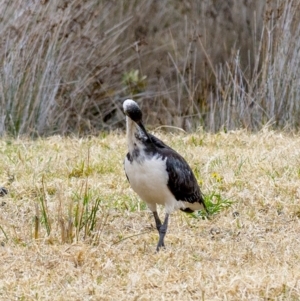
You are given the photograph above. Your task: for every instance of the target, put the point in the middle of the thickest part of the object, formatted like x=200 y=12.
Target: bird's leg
x=158 y=227
x=162 y=232
x=157 y=220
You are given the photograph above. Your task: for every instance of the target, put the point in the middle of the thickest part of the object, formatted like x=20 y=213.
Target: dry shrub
x=68 y=65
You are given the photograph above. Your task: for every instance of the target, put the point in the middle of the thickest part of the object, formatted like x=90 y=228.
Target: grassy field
x=72 y=229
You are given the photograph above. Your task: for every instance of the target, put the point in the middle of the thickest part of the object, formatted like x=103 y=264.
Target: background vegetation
x=66 y=66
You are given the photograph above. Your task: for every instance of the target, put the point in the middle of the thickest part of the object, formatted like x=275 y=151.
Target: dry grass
x=247 y=252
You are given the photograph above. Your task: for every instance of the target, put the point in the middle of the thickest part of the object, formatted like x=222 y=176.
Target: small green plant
x=44 y=211
x=80 y=170
x=134 y=82
x=80 y=220
x=85 y=215
x=214 y=203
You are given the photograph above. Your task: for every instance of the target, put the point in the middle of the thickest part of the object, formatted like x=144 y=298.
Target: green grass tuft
x=214 y=203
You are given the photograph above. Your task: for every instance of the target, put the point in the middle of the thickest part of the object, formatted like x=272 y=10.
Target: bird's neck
x=131 y=131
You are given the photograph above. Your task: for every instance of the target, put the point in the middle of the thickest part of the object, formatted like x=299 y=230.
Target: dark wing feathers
x=182 y=182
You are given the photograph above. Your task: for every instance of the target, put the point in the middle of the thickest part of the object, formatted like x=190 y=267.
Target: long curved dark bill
x=140 y=124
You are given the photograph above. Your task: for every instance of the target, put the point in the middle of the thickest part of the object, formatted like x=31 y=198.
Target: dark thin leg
x=157 y=220
x=162 y=229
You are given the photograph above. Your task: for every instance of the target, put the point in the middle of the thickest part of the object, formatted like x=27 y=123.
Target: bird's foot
x=162 y=232
x=160 y=246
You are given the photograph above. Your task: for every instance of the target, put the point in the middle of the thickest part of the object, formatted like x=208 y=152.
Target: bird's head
x=133 y=111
